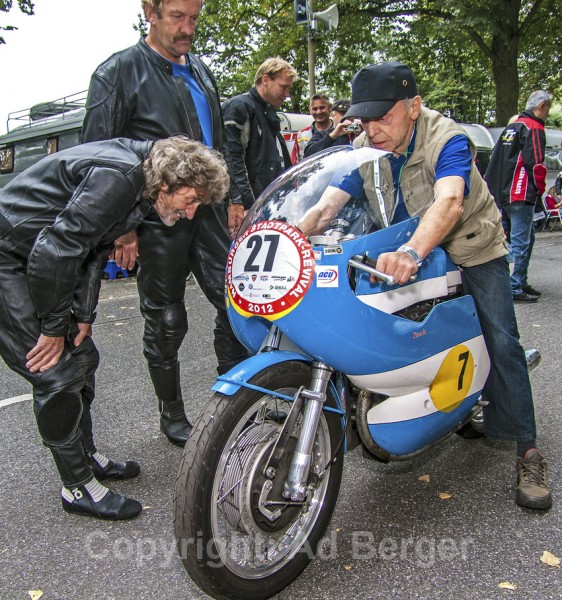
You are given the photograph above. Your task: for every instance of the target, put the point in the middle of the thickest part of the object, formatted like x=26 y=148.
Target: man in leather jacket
x=147 y=92
x=58 y=220
x=257 y=152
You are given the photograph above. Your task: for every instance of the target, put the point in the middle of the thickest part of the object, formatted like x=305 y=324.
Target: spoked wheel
x=237 y=535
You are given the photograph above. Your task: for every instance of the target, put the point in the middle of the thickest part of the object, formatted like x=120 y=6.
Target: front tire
x=236 y=534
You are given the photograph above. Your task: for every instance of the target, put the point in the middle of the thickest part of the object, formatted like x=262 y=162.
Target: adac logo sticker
x=327 y=276
x=279 y=262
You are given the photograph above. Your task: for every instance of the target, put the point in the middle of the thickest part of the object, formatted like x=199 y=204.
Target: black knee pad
x=164 y=332
x=58 y=414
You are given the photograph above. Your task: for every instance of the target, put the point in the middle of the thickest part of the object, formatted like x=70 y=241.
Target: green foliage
x=26 y=7
x=476 y=60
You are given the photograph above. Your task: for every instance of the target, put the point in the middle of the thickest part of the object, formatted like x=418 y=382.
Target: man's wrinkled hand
x=84 y=331
x=126 y=250
x=45 y=354
x=399 y=265
x=235 y=217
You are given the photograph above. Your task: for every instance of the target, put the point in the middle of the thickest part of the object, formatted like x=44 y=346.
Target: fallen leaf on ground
x=35 y=594
x=507 y=586
x=425 y=478
x=549 y=559
x=445 y=495
x=348 y=567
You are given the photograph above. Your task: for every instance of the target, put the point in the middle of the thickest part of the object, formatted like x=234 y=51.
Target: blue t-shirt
x=455 y=158
x=199 y=98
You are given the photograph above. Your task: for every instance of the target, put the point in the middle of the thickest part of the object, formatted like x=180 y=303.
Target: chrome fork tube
x=295 y=486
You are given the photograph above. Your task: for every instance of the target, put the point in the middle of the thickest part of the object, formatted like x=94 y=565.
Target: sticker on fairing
x=269 y=270
x=330 y=250
x=327 y=276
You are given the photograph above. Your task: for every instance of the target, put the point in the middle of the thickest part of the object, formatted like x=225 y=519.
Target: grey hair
x=537 y=98
x=180 y=162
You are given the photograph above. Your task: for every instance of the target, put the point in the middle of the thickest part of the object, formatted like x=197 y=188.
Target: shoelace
x=534 y=472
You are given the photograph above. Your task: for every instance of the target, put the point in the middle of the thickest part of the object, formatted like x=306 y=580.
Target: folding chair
x=552 y=213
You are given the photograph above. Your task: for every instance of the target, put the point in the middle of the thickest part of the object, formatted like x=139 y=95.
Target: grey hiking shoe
x=532 y=481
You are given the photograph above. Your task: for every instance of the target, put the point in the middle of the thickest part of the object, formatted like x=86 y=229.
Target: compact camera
x=353 y=128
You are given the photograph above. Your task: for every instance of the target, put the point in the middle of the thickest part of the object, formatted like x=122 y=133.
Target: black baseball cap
x=342 y=105
x=376 y=89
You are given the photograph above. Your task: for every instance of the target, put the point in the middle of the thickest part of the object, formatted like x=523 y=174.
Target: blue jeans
x=510 y=413
x=522 y=241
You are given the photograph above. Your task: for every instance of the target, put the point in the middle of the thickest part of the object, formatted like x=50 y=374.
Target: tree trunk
x=504 y=53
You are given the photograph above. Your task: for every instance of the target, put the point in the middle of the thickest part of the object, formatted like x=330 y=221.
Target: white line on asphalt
x=15 y=400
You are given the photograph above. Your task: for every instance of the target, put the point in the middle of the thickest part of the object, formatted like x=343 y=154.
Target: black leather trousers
x=166 y=257
x=62 y=394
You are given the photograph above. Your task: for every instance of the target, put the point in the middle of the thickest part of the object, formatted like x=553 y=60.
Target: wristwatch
x=411 y=253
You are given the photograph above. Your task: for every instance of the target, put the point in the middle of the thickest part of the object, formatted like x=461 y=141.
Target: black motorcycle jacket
x=134 y=94
x=257 y=152
x=59 y=217
x=516 y=172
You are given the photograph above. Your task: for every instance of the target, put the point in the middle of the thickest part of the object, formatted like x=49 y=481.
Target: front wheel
x=237 y=535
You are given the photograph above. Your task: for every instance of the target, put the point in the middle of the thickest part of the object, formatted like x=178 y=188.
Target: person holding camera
x=342 y=133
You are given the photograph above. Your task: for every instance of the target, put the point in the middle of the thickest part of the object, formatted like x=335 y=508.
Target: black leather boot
x=126 y=469
x=80 y=500
x=173 y=421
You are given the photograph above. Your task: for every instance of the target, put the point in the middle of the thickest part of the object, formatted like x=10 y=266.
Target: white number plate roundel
x=270 y=268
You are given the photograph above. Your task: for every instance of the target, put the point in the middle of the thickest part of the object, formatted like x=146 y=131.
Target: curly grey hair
x=181 y=162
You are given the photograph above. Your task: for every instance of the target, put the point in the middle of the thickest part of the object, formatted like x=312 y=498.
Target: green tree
x=26 y=7
x=476 y=60
x=512 y=37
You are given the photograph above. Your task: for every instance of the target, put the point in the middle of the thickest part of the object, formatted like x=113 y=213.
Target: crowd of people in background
x=157 y=89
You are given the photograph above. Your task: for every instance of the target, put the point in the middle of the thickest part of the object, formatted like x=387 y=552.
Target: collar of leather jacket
x=158 y=60
x=268 y=110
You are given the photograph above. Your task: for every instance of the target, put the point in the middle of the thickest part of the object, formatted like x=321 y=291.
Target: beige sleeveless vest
x=478 y=236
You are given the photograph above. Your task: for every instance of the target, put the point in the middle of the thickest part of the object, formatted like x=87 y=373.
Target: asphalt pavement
x=454 y=534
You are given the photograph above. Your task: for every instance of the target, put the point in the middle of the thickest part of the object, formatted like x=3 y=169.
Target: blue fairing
x=404 y=437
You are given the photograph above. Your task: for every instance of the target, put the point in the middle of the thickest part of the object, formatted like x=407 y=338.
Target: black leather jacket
x=253 y=137
x=59 y=217
x=134 y=94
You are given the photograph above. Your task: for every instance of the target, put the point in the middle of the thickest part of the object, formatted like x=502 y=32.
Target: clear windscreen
x=342 y=193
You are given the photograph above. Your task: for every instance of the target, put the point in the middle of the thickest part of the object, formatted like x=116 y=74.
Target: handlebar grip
x=358 y=264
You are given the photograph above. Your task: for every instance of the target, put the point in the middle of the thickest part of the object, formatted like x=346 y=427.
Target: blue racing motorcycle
x=336 y=360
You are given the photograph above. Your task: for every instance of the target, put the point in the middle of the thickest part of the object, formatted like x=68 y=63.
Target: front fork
x=295 y=488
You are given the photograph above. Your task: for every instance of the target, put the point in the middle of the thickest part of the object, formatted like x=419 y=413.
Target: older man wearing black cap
x=434 y=174
x=342 y=133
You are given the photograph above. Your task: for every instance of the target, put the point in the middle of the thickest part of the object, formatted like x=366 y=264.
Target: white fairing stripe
x=403 y=296
x=408 y=387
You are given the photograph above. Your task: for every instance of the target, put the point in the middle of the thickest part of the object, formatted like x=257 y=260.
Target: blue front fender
x=229 y=383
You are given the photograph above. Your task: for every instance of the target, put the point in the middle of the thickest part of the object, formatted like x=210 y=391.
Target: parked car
x=483 y=141
x=51 y=126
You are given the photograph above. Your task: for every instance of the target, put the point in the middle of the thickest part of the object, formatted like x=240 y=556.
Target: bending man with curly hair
x=58 y=220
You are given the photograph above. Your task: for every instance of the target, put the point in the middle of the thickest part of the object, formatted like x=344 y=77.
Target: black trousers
x=64 y=393
x=167 y=255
